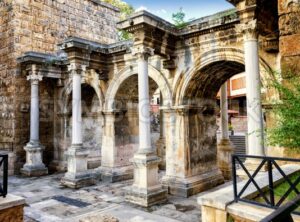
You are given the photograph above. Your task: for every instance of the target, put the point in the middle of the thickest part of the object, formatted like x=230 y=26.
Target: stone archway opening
x=201 y=100
x=126 y=125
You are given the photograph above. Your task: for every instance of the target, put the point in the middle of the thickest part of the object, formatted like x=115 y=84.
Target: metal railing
x=267 y=194
x=283 y=213
x=4 y=167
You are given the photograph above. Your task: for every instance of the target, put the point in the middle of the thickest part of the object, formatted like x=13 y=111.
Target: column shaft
x=76 y=110
x=144 y=106
x=34 y=112
x=224 y=111
x=254 y=108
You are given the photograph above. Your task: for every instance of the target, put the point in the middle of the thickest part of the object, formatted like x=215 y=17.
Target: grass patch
x=282 y=188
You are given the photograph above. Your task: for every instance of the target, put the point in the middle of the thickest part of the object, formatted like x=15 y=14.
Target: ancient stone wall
x=289 y=27
x=39 y=25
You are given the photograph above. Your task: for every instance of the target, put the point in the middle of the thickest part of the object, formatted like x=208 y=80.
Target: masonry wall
x=39 y=25
x=289 y=27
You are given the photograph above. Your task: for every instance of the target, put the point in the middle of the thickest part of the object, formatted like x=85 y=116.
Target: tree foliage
x=286 y=132
x=125 y=11
x=179 y=19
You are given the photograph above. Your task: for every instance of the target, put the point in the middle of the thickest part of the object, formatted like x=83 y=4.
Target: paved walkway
x=48 y=201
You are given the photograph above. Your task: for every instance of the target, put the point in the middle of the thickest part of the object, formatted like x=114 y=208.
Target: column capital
x=142 y=52
x=35 y=78
x=249 y=30
x=34 y=75
x=75 y=68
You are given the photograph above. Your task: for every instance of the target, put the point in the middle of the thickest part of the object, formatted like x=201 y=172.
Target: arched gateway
x=188 y=66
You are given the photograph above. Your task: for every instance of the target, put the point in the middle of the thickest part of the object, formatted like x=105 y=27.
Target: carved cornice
x=142 y=52
x=249 y=30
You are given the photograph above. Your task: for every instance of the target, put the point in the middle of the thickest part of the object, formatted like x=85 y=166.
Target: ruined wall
x=39 y=25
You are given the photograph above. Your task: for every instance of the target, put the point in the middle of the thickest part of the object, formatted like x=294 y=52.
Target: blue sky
x=192 y=8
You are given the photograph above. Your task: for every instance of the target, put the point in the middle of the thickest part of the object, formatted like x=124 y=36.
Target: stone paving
x=47 y=201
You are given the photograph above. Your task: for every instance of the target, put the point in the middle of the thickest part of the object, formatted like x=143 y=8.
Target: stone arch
x=230 y=55
x=129 y=71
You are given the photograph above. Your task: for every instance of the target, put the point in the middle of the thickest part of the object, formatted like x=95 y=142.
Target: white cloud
x=141 y=8
x=161 y=11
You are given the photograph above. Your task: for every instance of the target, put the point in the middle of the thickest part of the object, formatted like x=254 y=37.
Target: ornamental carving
x=142 y=52
x=75 y=68
x=249 y=30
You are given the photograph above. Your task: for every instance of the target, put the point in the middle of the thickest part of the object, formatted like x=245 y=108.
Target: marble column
x=34 y=150
x=146 y=189
x=77 y=174
x=225 y=147
x=253 y=89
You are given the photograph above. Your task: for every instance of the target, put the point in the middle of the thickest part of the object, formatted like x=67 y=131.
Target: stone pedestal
x=225 y=150
x=146 y=190
x=34 y=161
x=11 y=208
x=189 y=186
x=78 y=176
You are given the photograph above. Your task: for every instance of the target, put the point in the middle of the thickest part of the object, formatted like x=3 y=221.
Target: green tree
x=125 y=11
x=286 y=132
x=179 y=19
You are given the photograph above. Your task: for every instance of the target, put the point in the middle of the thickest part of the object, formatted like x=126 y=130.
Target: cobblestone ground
x=47 y=200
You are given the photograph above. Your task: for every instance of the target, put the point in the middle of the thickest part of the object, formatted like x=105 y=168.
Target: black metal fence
x=4 y=168
x=267 y=195
x=283 y=213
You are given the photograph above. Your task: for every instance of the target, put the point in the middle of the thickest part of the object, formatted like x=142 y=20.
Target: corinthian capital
x=75 y=68
x=142 y=52
x=34 y=77
x=249 y=30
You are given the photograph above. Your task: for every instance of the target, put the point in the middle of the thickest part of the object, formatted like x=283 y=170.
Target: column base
x=34 y=171
x=78 y=176
x=34 y=161
x=225 y=150
x=146 y=198
x=78 y=180
x=146 y=189
x=186 y=187
x=116 y=174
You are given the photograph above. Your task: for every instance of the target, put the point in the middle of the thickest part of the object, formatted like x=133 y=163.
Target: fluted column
x=225 y=148
x=146 y=189
x=77 y=174
x=253 y=89
x=34 y=150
